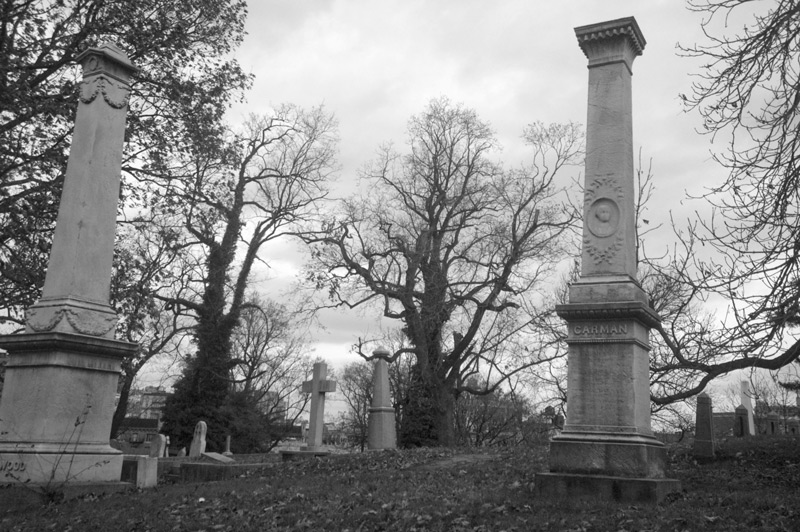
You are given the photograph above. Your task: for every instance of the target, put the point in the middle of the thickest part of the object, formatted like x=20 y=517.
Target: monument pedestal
x=56 y=409
x=607 y=448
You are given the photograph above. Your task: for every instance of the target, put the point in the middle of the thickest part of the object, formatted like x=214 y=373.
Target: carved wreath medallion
x=604 y=239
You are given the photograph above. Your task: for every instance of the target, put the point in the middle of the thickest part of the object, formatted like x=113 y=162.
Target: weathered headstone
x=773 y=423
x=747 y=402
x=198 y=446
x=227 y=451
x=740 y=423
x=158 y=446
x=317 y=387
x=607 y=449
x=182 y=452
x=66 y=365
x=381 y=429
x=704 y=428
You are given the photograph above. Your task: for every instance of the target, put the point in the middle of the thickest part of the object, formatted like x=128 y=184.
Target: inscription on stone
x=600 y=329
x=12 y=466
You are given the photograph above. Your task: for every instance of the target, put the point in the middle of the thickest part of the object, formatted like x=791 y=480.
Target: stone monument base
x=608 y=454
x=42 y=464
x=382 y=433
x=604 y=488
x=56 y=408
x=606 y=466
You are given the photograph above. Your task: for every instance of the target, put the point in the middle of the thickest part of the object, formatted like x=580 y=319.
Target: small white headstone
x=198 y=440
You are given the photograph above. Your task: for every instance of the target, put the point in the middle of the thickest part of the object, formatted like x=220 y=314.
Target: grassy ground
x=753 y=485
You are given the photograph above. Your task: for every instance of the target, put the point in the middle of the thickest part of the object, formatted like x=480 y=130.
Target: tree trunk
x=429 y=413
x=122 y=405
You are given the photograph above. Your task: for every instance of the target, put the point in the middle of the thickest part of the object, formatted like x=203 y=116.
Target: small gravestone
x=198 y=446
x=704 y=428
x=157 y=446
x=741 y=426
x=747 y=403
x=382 y=431
x=773 y=423
x=182 y=452
x=227 y=451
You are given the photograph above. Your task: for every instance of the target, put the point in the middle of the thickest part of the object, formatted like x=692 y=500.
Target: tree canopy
x=452 y=246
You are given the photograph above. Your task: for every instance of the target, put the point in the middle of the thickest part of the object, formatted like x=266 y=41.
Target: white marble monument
x=607 y=449
x=56 y=409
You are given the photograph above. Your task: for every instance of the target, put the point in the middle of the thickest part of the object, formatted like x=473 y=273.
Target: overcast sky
x=375 y=63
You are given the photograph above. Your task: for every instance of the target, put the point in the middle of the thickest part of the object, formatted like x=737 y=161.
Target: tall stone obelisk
x=607 y=448
x=62 y=374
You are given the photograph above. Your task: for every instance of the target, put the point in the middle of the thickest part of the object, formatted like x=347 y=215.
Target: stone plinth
x=382 y=430
x=57 y=406
x=607 y=449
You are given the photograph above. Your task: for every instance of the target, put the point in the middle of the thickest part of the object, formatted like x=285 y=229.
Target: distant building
x=135 y=434
x=143 y=422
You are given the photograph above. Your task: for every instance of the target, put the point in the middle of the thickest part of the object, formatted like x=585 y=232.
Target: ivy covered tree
x=224 y=205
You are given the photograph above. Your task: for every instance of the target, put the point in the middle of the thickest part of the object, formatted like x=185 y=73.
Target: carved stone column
x=607 y=448
x=62 y=374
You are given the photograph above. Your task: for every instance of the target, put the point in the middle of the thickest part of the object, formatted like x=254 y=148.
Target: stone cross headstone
x=317 y=387
x=747 y=402
x=66 y=365
x=158 y=446
x=607 y=449
x=381 y=429
x=198 y=446
x=704 y=428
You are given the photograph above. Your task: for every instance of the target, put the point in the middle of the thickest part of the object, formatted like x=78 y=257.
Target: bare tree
x=270 y=360
x=355 y=385
x=449 y=244
x=745 y=256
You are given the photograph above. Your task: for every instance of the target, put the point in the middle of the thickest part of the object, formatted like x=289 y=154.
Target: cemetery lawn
x=754 y=484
